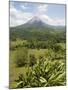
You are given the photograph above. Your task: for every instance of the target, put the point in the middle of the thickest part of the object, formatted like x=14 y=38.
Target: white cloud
x=18 y=17
x=42 y=12
x=42 y=9
x=23 y=7
x=52 y=21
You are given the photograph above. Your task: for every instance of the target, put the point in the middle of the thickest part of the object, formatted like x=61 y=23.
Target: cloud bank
x=20 y=15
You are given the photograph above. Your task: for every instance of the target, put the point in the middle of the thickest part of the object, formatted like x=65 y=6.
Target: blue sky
x=56 y=11
x=20 y=13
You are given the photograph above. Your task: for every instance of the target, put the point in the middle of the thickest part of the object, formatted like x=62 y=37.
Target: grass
x=15 y=71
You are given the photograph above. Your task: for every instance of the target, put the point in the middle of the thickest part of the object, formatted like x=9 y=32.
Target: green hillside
x=37 y=56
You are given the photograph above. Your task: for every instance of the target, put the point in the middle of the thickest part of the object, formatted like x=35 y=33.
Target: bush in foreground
x=32 y=60
x=21 y=57
x=44 y=74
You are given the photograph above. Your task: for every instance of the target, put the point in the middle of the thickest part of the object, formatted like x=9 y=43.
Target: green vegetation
x=21 y=57
x=37 y=57
x=39 y=67
x=32 y=60
x=44 y=73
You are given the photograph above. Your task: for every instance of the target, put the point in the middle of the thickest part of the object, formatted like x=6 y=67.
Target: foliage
x=42 y=34
x=32 y=60
x=21 y=57
x=40 y=54
x=44 y=73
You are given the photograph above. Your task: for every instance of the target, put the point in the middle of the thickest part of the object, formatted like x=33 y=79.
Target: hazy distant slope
x=37 y=29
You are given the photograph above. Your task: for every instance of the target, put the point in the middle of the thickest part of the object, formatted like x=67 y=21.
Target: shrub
x=59 y=51
x=43 y=74
x=32 y=59
x=57 y=48
x=21 y=57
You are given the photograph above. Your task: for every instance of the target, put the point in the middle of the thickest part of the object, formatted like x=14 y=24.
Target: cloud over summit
x=21 y=12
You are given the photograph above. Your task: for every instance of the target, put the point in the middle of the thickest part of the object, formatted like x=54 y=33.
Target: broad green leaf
x=43 y=80
x=18 y=84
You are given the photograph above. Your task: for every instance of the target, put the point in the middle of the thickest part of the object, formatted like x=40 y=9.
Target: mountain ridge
x=36 y=21
x=37 y=29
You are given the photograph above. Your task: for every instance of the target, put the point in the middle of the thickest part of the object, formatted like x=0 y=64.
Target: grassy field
x=16 y=71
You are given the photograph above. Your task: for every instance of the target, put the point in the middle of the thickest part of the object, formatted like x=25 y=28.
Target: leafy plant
x=44 y=73
x=21 y=57
x=32 y=59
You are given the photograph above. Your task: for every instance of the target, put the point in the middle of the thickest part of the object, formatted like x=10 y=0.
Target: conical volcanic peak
x=35 y=19
x=36 y=22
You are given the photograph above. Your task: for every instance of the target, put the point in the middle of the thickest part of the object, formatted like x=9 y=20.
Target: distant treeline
x=57 y=36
